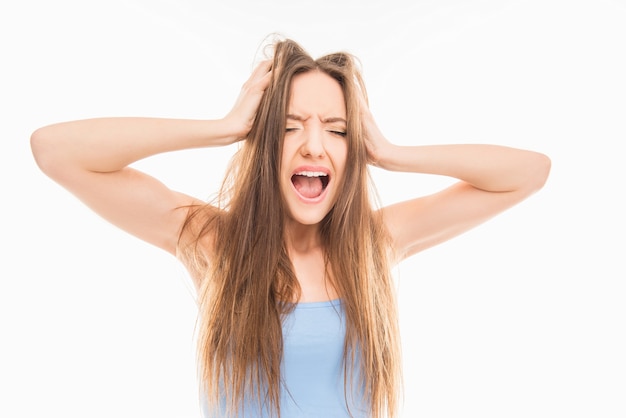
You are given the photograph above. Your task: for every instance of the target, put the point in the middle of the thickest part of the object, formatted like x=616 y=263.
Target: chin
x=307 y=219
x=307 y=213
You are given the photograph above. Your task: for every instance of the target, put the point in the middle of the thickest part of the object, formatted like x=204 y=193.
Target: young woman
x=291 y=263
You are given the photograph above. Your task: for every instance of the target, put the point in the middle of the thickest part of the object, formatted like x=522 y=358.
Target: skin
x=91 y=159
x=314 y=140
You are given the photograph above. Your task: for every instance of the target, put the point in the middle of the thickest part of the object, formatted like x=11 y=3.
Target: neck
x=301 y=238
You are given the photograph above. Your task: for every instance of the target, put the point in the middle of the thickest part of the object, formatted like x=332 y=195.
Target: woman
x=291 y=263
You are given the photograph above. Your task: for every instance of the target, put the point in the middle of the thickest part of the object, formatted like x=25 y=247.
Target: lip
x=319 y=168
x=314 y=168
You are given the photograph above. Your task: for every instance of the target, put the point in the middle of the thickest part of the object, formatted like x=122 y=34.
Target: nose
x=313 y=144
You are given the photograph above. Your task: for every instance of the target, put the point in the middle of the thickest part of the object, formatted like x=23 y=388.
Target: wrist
x=234 y=128
x=225 y=132
x=384 y=156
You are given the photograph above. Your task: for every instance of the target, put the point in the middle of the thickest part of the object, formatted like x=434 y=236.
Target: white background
x=521 y=317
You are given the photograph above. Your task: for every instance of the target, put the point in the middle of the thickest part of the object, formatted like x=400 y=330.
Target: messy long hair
x=248 y=283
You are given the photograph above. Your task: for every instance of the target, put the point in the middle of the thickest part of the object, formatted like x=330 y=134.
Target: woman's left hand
x=375 y=141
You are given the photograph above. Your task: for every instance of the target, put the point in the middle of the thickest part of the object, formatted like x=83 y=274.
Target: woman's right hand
x=91 y=158
x=242 y=115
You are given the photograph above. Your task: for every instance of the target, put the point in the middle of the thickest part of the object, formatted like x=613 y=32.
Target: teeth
x=312 y=174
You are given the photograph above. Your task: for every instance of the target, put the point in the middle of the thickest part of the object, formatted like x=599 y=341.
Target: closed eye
x=340 y=133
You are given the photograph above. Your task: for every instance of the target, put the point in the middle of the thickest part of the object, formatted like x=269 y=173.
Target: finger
x=261 y=69
x=259 y=79
x=265 y=80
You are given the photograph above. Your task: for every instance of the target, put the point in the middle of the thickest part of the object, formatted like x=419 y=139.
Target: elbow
x=43 y=150
x=539 y=171
x=38 y=147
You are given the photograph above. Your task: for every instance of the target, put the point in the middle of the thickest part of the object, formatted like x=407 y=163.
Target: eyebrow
x=326 y=120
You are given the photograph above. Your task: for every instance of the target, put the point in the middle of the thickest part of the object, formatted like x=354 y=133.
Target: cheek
x=340 y=155
x=284 y=159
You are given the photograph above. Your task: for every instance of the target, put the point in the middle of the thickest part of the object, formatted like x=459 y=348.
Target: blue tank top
x=312 y=366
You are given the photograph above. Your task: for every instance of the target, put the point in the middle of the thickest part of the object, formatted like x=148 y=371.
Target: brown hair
x=249 y=283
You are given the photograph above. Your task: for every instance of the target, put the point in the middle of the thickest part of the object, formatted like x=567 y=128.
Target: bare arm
x=90 y=158
x=491 y=179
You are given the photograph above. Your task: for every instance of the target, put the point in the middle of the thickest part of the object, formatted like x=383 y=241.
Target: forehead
x=315 y=93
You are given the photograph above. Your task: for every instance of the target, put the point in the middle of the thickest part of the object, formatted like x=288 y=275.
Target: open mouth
x=310 y=184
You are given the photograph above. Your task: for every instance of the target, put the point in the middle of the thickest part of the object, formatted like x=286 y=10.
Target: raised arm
x=90 y=158
x=491 y=179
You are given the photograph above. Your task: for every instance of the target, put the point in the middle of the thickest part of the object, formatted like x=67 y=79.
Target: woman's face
x=315 y=148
